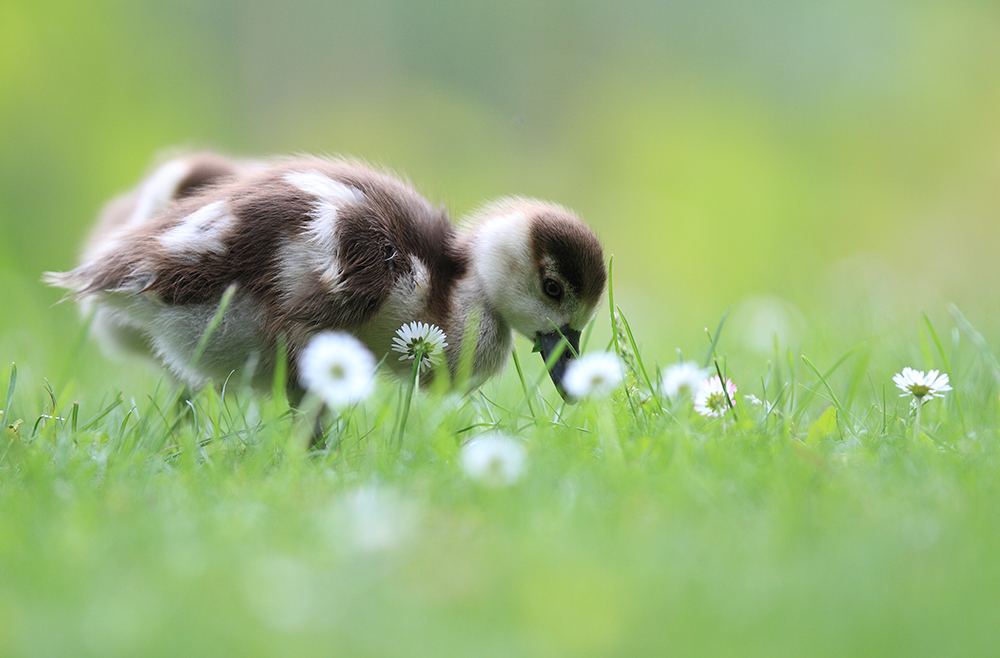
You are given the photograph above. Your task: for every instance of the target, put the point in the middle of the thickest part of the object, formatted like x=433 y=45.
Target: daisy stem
x=916 y=420
x=410 y=387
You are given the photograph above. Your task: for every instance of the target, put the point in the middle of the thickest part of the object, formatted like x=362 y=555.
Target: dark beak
x=549 y=345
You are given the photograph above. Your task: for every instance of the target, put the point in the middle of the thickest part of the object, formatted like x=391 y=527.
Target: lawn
x=819 y=522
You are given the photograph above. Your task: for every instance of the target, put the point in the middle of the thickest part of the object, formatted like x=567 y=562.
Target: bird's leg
x=318 y=442
x=182 y=406
x=296 y=395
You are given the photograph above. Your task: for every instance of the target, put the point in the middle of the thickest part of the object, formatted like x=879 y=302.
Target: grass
x=820 y=526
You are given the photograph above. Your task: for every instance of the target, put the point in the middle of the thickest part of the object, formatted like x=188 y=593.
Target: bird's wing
x=340 y=268
x=117 y=254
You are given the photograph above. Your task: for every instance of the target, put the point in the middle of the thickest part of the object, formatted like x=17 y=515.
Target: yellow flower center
x=717 y=402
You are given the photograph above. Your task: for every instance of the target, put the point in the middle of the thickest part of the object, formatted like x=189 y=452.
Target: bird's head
x=543 y=272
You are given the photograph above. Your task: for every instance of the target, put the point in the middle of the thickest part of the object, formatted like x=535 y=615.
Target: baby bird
x=316 y=244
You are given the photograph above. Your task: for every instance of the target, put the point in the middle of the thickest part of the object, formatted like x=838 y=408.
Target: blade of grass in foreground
x=977 y=340
x=947 y=368
x=279 y=383
x=715 y=339
x=227 y=298
x=524 y=385
x=612 y=307
x=470 y=344
x=638 y=359
x=119 y=400
x=810 y=393
x=615 y=313
x=549 y=362
x=199 y=350
x=11 y=383
x=5 y=417
x=833 y=396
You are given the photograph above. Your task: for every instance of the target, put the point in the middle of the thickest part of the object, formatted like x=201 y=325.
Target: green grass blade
x=612 y=307
x=810 y=393
x=5 y=418
x=119 y=400
x=826 y=384
x=715 y=339
x=199 y=350
x=638 y=359
x=470 y=343
x=585 y=340
x=11 y=383
x=524 y=385
x=947 y=368
x=977 y=340
x=279 y=383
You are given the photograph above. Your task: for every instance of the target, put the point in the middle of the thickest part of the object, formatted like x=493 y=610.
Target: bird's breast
x=408 y=301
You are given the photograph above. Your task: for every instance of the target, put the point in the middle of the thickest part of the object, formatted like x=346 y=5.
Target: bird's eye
x=552 y=288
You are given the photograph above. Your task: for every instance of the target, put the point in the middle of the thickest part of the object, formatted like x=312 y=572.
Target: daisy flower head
x=594 y=375
x=420 y=340
x=920 y=386
x=338 y=368
x=712 y=399
x=494 y=459
x=682 y=379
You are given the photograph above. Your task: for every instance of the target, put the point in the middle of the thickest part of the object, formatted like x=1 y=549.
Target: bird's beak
x=549 y=344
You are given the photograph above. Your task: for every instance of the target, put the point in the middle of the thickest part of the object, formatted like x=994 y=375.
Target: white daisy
x=421 y=338
x=494 y=459
x=682 y=379
x=711 y=398
x=595 y=375
x=338 y=368
x=920 y=386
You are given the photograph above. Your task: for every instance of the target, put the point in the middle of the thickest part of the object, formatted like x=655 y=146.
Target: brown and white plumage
x=318 y=244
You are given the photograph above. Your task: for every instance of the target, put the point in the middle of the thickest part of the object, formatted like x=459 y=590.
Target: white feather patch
x=298 y=258
x=203 y=231
x=322 y=230
x=324 y=187
x=508 y=274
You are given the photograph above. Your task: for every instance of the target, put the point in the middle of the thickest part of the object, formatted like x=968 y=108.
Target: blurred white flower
x=761 y=321
x=421 y=338
x=494 y=459
x=338 y=368
x=920 y=386
x=594 y=375
x=711 y=398
x=682 y=379
x=377 y=519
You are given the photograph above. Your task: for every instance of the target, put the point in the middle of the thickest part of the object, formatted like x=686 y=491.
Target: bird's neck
x=474 y=317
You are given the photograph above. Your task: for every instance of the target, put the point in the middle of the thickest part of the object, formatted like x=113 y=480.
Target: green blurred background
x=803 y=162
